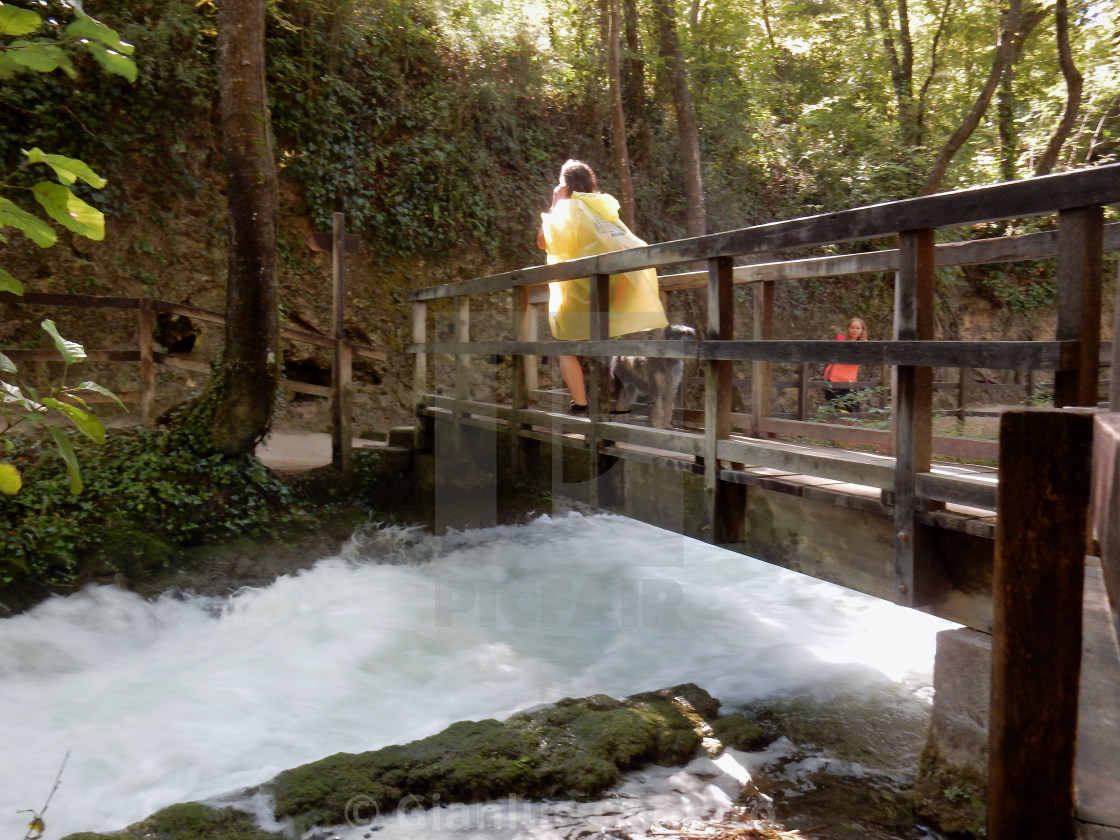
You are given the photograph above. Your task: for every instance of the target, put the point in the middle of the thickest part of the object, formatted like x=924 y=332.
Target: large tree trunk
x=245 y=383
x=687 y=131
x=1074 y=84
x=618 y=117
x=1005 y=54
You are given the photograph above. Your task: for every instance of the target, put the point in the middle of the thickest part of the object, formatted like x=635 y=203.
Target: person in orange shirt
x=845 y=376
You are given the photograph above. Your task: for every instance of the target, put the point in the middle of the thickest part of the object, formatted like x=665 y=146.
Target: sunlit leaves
x=67 y=169
x=17 y=22
x=69 y=210
x=33 y=227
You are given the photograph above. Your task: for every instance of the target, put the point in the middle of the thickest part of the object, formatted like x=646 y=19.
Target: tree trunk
x=1005 y=54
x=900 y=57
x=687 y=131
x=618 y=117
x=1074 y=84
x=246 y=380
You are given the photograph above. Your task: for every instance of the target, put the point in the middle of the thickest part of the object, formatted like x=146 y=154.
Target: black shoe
x=577 y=410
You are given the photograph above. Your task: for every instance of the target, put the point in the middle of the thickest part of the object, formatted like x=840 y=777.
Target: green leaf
x=67 y=169
x=87 y=424
x=69 y=210
x=113 y=62
x=10 y=482
x=103 y=391
x=41 y=57
x=32 y=227
x=12 y=394
x=6 y=364
x=87 y=27
x=66 y=450
x=71 y=351
x=10 y=284
x=15 y=21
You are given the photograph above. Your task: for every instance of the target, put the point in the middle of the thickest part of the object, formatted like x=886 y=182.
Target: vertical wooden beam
x=342 y=433
x=422 y=439
x=598 y=386
x=462 y=320
x=803 y=391
x=1036 y=638
x=532 y=363
x=147 y=364
x=519 y=393
x=1080 y=253
x=1114 y=369
x=717 y=394
x=962 y=395
x=761 y=372
x=913 y=402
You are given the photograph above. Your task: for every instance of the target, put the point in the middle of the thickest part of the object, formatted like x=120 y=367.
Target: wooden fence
x=148 y=358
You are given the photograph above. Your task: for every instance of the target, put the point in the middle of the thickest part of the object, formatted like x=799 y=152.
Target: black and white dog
x=655 y=381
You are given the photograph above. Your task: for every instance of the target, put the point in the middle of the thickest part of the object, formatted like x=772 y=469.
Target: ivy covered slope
x=151 y=505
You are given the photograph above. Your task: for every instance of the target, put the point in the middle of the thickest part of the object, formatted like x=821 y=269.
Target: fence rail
x=148 y=358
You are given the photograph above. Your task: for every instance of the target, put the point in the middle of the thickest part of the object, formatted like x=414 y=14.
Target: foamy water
x=403 y=634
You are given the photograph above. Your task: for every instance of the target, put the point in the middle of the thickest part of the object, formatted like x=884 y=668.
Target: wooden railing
x=148 y=358
x=1076 y=199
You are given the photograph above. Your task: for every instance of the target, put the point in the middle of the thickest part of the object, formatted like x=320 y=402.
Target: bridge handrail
x=1016 y=199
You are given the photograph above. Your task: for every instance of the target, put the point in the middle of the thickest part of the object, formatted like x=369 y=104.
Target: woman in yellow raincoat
x=583 y=222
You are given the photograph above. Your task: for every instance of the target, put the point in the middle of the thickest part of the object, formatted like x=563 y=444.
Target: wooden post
x=462 y=304
x=1080 y=252
x=341 y=428
x=761 y=379
x=1036 y=639
x=422 y=437
x=913 y=402
x=147 y=364
x=803 y=391
x=962 y=394
x=519 y=392
x=1114 y=370
x=532 y=363
x=717 y=394
x=598 y=386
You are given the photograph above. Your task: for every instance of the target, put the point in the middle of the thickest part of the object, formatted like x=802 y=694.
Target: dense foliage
x=438 y=123
x=147 y=493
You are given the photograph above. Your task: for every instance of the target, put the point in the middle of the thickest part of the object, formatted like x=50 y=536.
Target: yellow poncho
x=569 y=233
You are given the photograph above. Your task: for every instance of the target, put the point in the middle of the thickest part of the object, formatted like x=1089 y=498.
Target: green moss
x=190 y=821
x=741 y=733
x=574 y=749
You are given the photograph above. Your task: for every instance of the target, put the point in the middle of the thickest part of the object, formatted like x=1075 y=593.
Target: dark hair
x=579 y=176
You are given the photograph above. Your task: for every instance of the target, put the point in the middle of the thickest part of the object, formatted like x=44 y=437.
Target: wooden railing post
x=1037 y=622
x=520 y=387
x=717 y=394
x=761 y=372
x=462 y=318
x=1080 y=251
x=422 y=432
x=804 y=375
x=913 y=402
x=598 y=385
x=147 y=364
x=342 y=433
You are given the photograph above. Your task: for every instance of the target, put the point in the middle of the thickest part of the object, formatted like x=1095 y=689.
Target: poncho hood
x=604 y=204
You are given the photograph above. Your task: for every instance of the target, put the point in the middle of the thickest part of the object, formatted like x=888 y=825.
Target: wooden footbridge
x=999 y=549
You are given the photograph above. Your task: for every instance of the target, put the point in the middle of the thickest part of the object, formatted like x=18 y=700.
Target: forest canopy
x=437 y=124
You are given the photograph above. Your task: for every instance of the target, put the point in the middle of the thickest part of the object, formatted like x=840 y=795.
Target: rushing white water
x=404 y=633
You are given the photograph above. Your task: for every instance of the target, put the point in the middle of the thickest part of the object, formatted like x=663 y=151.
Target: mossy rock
x=741 y=733
x=189 y=821
x=573 y=749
